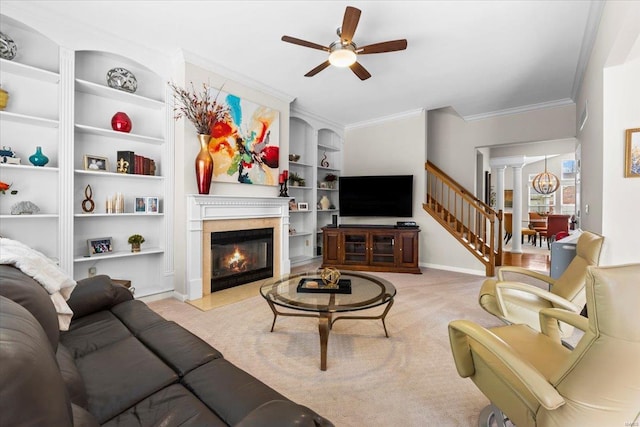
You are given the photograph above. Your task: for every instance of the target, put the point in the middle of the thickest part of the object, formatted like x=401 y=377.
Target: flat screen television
x=380 y=195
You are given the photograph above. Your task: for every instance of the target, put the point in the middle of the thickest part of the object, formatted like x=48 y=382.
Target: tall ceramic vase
x=204 y=165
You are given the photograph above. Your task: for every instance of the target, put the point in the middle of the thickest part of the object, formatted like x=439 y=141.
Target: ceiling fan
x=344 y=52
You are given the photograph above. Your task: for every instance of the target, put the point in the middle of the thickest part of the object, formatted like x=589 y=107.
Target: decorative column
x=500 y=188
x=516 y=245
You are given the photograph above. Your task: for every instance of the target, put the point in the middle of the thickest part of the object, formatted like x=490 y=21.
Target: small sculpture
x=330 y=277
x=122 y=79
x=87 y=204
x=24 y=208
x=324 y=163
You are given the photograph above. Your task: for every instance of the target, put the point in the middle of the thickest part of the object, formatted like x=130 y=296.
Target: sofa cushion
x=227 y=390
x=71 y=376
x=94 y=294
x=136 y=315
x=22 y=289
x=171 y=406
x=82 y=417
x=120 y=375
x=283 y=413
x=92 y=332
x=178 y=347
x=32 y=391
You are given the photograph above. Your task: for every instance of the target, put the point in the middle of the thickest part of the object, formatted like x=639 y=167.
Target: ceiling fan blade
x=349 y=24
x=390 y=46
x=316 y=70
x=304 y=43
x=360 y=71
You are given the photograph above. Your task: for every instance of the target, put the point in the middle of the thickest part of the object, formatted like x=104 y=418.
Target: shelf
x=299 y=188
x=322 y=168
x=30 y=217
x=119 y=95
x=29 y=120
x=29 y=71
x=116 y=215
x=304 y=165
x=328 y=148
x=29 y=168
x=119 y=254
x=327 y=189
x=301 y=234
x=118 y=175
x=91 y=130
x=327 y=210
x=300 y=259
x=299 y=211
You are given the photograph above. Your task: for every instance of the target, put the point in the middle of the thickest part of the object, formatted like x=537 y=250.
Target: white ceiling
x=479 y=57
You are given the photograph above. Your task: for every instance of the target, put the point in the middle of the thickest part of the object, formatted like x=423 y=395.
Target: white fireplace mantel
x=202 y=208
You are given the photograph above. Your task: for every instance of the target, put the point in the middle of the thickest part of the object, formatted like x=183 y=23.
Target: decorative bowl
x=8 y=48
x=122 y=79
x=294 y=157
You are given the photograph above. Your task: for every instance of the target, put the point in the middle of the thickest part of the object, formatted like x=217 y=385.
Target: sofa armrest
x=95 y=294
x=283 y=413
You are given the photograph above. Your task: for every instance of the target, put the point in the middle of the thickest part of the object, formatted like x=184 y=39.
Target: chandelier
x=545 y=182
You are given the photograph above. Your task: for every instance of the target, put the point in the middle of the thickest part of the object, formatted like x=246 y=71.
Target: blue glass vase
x=38 y=159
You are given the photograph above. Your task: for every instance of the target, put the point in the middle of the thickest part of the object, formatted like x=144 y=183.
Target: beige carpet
x=408 y=379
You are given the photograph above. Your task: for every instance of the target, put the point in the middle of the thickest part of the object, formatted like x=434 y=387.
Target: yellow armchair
x=516 y=302
x=533 y=380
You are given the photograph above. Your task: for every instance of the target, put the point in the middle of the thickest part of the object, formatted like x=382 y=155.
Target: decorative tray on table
x=317 y=285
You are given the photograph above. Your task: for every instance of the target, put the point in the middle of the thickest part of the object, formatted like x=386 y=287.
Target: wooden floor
x=539 y=262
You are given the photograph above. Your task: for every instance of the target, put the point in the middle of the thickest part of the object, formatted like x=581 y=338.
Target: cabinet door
x=331 y=243
x=382 y=248
x=355 y=246
x=407 y=249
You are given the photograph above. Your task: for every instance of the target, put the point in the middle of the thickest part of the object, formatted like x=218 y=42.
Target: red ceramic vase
x=121 y=122
x=204 y=165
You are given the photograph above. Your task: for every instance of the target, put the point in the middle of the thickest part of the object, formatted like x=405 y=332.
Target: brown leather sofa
x=120 y=364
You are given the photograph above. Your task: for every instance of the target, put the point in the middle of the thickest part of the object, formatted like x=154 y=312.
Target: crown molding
x=243 y=79
x=380 y=120
x=320 y=121
x=588 y=41
x=517 y=110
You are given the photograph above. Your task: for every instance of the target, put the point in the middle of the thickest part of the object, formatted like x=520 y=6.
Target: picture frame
x=568 y=195
x=632 y=153
x=303 y=206
x=99 y=246
x=293 y=206
x=140 y=205
x=153 y=205
x=508 y=198
x=568 y=169
x=96 y=163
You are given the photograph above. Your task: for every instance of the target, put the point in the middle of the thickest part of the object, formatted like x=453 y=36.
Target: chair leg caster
x=491 y=414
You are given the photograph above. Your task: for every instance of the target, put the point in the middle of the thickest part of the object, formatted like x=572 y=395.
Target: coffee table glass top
x=366 y=292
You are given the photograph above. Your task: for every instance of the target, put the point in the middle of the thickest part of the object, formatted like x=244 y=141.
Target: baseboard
x=454 y=269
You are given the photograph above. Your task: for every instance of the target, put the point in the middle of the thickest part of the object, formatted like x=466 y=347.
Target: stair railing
x=471 y=221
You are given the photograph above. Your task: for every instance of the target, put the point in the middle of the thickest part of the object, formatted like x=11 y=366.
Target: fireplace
x=240 y=256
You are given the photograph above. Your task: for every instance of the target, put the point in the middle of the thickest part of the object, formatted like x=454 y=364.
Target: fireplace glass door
x=241 y=256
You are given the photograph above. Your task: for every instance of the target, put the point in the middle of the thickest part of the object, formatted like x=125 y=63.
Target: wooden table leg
x=324 y=326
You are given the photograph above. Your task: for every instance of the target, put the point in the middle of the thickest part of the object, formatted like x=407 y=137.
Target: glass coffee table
x=366 y=291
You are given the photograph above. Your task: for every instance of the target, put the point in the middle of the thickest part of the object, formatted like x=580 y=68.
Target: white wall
x=612 y=90
x=193 y=69
x=395 y=147
x=452 y=144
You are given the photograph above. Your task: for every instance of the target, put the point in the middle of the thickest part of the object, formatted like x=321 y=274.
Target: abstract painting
x=245 y=144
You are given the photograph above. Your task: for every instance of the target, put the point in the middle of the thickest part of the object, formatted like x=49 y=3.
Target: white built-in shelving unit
x=59 y=99
x=314 y=140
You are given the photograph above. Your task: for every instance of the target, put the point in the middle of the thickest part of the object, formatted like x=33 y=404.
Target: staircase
x=472 y=222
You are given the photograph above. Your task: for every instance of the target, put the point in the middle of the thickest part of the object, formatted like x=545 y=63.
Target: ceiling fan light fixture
x=342 y=55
